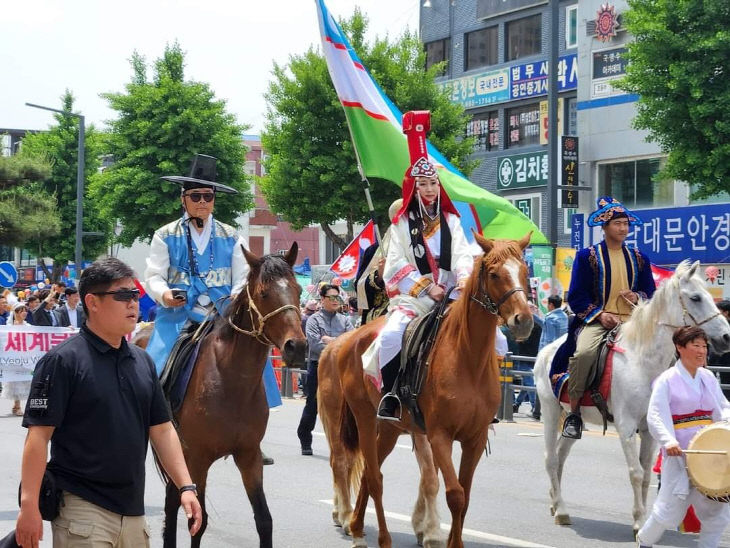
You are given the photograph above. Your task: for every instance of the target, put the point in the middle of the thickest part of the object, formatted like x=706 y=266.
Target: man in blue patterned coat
x=607 y=280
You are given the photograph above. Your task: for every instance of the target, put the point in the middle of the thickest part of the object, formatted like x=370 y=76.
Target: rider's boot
x=389 y=404
x=573 y=425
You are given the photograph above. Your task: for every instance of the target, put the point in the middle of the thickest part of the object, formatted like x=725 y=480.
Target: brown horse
x=225 y=411
x=347 y=461
x=460 y=394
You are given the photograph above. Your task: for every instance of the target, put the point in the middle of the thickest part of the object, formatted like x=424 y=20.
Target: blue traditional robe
x=171 y=252
x=590 y=284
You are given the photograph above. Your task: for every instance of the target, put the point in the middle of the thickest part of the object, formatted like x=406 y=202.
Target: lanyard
x=192 y=255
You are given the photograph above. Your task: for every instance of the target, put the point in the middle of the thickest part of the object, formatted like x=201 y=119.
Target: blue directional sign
x=8 y=274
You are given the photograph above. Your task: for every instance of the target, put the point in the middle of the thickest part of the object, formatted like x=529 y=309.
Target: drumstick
x=703 y=452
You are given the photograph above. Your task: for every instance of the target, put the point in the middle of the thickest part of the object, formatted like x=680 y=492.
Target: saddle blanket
x=560 y=384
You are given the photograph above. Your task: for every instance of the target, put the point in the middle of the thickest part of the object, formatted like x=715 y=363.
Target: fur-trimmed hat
x=609 y=209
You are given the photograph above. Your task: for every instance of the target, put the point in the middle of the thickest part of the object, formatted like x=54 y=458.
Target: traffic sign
x=8 y=274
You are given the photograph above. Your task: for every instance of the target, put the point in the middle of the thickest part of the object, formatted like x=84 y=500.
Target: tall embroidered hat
x=610 y=208
x=202 y=175
x=415 y=125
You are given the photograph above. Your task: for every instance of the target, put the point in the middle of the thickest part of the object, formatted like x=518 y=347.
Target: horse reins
x=487 y=303
x=259 y=334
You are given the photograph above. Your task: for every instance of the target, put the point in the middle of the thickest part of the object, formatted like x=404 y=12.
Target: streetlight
x=79 y=182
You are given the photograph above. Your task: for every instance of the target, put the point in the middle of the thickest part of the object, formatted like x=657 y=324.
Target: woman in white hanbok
x=684 y=399
x=17 y=390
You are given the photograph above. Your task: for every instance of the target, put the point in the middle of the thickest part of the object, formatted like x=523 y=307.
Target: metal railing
x=508 y=372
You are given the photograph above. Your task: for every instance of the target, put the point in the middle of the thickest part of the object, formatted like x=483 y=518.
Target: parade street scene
x=333 y=273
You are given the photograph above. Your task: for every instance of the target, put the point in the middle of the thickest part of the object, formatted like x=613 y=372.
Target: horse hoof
x=552 y=510
x=337 y=521
x=359 y=543
x=636 y=533
x=562 y=519
x=433 y=543
x=419 y=539
x=346 y=529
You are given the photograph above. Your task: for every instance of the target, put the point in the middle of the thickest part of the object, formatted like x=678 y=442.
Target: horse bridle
x=258 y=333
x=487 y=303
x=686 y=312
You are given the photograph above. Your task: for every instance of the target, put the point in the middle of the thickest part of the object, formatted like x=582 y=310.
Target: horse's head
x=499 y=282
x=271 y=298
x=698 y=307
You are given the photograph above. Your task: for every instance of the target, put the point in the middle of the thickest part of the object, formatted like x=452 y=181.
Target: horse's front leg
x=425 y=518
x=442 y=446
x=636 y=476
x=250 y=463
x=471 y=452
x=198 y=469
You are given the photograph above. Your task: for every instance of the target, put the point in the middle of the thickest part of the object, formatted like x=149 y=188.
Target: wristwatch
x=192 y=487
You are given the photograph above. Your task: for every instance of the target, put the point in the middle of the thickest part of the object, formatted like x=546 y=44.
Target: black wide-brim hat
x=202 y=175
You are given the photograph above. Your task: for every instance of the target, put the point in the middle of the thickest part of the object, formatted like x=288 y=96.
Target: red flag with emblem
x=660 y=274
x=346 y=264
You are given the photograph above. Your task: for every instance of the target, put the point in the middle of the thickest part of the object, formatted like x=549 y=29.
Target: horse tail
x=348 y=429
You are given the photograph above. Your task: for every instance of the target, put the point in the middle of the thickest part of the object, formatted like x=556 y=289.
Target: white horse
x=646 y=340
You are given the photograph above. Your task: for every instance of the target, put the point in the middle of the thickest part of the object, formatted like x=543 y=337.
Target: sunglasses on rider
x=196 y=196
x=122 y=295
x=333 y=297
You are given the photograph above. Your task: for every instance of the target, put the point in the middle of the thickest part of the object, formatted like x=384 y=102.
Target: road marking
x=498 y=539
x=399 y=445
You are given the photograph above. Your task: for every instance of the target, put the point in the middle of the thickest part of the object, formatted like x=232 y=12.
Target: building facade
x=496 y=53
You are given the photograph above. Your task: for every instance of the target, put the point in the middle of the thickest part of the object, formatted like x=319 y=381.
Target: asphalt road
x=509 y=505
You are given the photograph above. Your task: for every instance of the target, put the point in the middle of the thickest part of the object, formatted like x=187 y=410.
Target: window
x=524 y=37
x=568 y=220
x=481 y=48
x=720 y=198
x=529 y=204
x=436 y=52
x=484 y=127
x=571 y=26
x=332 y=250
x=523 y=126
x=6 y=253
x=27 y=258
x=250 y=167
x=634 y=183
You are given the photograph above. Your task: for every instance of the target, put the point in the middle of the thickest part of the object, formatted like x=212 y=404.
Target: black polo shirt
x=102 y=402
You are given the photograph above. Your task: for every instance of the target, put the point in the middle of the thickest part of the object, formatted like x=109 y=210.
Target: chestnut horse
x=225 y=411
x=460 y=394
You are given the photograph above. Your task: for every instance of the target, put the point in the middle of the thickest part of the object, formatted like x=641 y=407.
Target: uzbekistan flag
x=375 y=125
x=346 y=264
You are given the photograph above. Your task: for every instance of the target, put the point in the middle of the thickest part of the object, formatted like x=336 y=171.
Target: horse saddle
x=598 y=385
x=418 y=339
x=179 y=365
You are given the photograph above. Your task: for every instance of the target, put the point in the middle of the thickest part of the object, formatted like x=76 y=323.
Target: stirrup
x=573 y=426
x=382 y=407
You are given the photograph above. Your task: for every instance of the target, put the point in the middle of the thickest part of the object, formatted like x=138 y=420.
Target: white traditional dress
x=679 y=407
x=407 y=287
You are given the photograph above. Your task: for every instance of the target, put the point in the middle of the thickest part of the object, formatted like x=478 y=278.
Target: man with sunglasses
x=195 y=261
x=98 y=401
x=323 y=327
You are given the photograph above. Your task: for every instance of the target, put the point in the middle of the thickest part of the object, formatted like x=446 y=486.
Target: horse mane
x=640 y=328
x=456 y=323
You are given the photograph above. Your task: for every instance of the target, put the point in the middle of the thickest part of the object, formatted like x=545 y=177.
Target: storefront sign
x=479 y=90
x=523 y=170
x=576 y=233
x=671 y=235
x=719 y=283
x=531 y=79
x=608 y=66
x=569 y=170
x=492 y=8
x=564 y=258
x=545 y=121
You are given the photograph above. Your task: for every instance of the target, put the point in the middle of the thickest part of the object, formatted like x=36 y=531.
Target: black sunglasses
x=196 y=196
x=123 y=295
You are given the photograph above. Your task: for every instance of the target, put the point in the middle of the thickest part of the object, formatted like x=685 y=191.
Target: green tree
x=679 y=64
x=60 y=146
x=161 y=124
x=311 y=167
x=27 y=211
